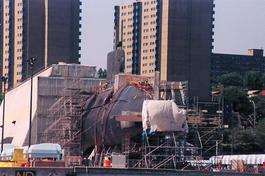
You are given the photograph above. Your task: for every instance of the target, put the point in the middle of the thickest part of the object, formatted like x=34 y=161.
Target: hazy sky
x=239 y=25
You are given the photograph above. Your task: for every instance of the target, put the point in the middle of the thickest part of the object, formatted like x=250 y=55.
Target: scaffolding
x=166 y=150
x=205 y=120
x=177 y=91
x=63 y=123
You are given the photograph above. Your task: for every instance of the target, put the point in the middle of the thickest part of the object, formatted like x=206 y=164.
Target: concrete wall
x=17 y=110
x=48 y=86
x=50 y=90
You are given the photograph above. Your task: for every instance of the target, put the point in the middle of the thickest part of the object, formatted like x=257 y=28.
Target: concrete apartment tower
x=11 y=40
x=170 y=36
x=48 y=30
x=54 y=31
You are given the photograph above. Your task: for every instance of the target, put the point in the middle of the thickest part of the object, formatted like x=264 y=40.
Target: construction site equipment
x=119 y=161
x=71 y=161
x=17 y=159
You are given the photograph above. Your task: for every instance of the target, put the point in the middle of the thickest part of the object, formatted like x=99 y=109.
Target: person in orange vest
x=107 y=162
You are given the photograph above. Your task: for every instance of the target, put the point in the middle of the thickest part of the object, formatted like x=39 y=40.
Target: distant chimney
x=255 y=52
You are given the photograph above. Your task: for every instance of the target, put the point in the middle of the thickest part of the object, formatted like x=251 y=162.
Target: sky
x=239 y=25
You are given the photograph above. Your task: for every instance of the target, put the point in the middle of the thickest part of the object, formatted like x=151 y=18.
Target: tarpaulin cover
x=45 y=150
x=247 y=159
x=163 y=116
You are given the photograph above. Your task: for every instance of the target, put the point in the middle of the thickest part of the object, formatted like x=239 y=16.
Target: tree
x=238 y=98
x=260 y=134
x=245 y=138
x=245 y=142
x=102 y=73
x=1 y=98
x=254 y=80
x=231 y=79
x=260 y=104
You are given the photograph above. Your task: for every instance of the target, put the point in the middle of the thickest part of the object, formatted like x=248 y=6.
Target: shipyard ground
x=83 y=171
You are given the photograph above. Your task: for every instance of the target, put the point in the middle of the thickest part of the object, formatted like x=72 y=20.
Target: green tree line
x=241 y=133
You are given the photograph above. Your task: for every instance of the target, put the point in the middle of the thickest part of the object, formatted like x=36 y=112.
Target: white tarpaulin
x=45 y=150
x=247 y=159
x=163 y=116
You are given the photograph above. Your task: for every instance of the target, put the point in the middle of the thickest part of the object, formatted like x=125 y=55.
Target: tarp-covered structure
x=163 y=116
x=257 y=159
x=45 y=150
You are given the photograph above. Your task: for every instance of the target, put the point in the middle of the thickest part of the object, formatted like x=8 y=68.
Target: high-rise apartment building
x=11 y=40
x=170 y=36
x=48 y=30
x=54 y=32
